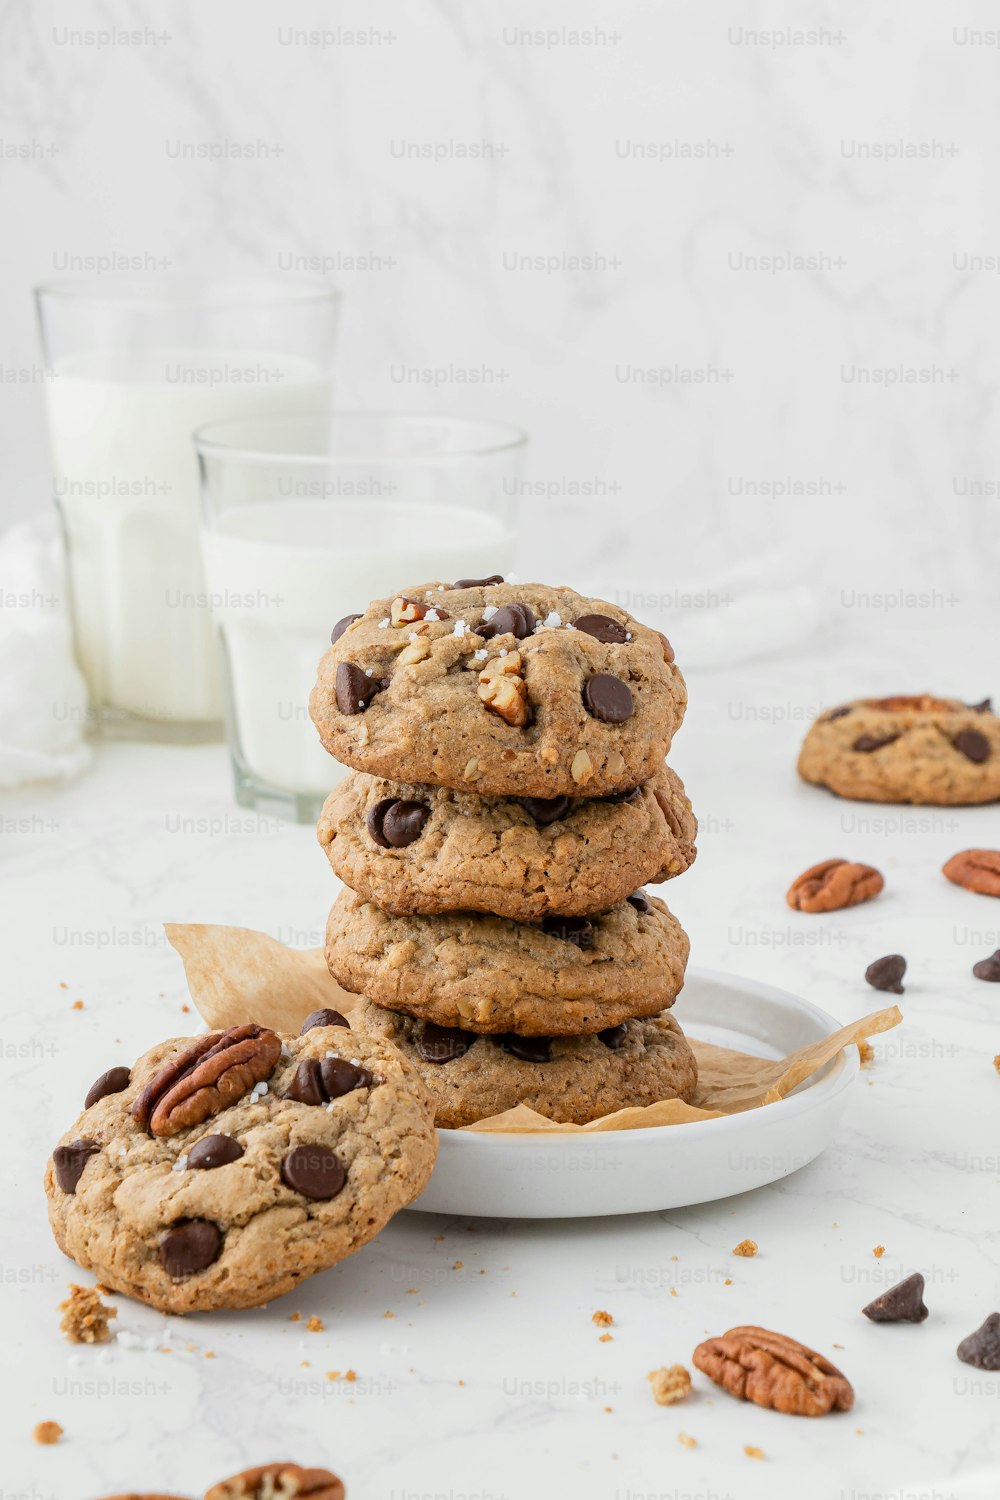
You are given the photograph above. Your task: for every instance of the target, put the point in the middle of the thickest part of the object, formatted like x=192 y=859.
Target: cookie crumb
x=459 y=1265
x=996 y=1062
x=602 y=1319
x=606 y=1338
x=47 y=1433
x=686 y=1441
x=728 y=1281
x=85 y=1317
x=670 y=1383
x=866 y=1052
x=752 y=1452
x=350 y=1375
x=295 y=1317
x=745 y=1247
x=388 y=1315
x=78 y=1005
x=209 y=1353
x=315 y=1324
x=186 y=1009
x=878 y=1252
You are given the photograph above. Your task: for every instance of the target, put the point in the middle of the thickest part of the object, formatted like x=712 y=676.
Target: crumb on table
x=47 y=1433
x=752 y=1452
x=85 y=1317
x=315 y=1324
x=602 y=1319
x=878 y=1252
x=686 y=1441
x=670 y=1383
x=745 y=1247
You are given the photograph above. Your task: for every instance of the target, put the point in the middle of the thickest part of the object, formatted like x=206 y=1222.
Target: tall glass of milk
x=135 y=365
x=308 y=518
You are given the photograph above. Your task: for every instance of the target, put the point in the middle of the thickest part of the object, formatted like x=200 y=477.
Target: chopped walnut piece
x=47 y=1433
x=670 y=1383
x=602 y=1319
x=745 y=1247
x=504 y=691
x=417 y=650
x=85 y=1317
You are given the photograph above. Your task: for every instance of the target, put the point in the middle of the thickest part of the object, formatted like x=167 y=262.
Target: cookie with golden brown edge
x=417 y=848
x=220 y=1171
x=918 y=749
x=571 y=1079
x=564 y=977
x=501 y=689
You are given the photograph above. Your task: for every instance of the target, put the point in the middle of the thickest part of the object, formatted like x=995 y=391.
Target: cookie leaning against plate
x=222 y=1170
x=502 y=689
x=919 y=749
x=571 y=1079
x=417 y=848
x=569 y=976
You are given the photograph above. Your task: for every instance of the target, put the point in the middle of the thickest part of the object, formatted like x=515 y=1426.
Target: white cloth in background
x=43 y=698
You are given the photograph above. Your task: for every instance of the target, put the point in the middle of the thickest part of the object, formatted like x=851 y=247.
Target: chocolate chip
x=314 y=1171
x=973 y=745
x=982 y=1348
x=903 y=1303
x=608 y=698
x=403 y=823
x=546 y=810
x=627 y=796
x=887 y=973
x=373 y=822
x=575 y=930
x=341 y=626
x=339 y=1077
x=323 y=1018
x=517 y=620
x=355 y=689
x=641 y=902
x=189 y=1246
x=866 y=743
x=986 y=707
x=478 y=583
x=305 y=1087
x=602 y=628
x=613 y=1036
x=533 y=1049
x=444 y=1044
x=69 y=1162
x=114 y=1081
x=988 y=968
x=214 y=1151
x=836 y=713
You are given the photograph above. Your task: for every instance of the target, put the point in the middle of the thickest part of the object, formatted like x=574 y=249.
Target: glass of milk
x=308 y=518
x=135 y=365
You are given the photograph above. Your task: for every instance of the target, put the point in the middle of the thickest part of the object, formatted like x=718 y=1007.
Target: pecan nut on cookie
x=571 y=1079
x=416 y=848
x=566 y=976
x=919 y=749
x=502 y=689
x=221 y=1171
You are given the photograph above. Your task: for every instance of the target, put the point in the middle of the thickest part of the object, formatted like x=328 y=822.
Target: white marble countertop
x=479 y=1371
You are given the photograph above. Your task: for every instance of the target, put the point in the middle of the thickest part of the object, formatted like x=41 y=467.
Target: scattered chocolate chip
x=627 y=796
x=836 y=713
x=319 y=1080
x=613 y=1036
x=517 y=620
x=403 y=823
x=189 y=1246
x=341 y=626
x=546 y=810
x=478 y=583
x=641 y=902
x=214 y=1151
x=314 y=1171
x=887 y=973
x=114 y=1081
x=973 y=745
x=903 y=1303
x=988 y=968
x=982 y=1348
x=608 y=698
x=444 y=1044
x=323 y=1018
x=533 y=1049
x=866 y=743
x=986 y=707
x=355 y=689
x=305 y=1087
x=69 y=1162
x=575 y=930
x=602 y=628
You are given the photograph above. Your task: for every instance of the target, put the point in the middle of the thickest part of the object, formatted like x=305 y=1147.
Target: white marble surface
x=495 y=1384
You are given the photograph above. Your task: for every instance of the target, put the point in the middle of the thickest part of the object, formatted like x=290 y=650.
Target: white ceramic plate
x=634 y=1171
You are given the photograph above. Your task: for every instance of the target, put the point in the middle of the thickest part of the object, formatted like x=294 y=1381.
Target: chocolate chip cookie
x=222 y=1170
x=571 y=1079
x=564 y=977
x=920 y=749
x=417 y=848
x=502 y=689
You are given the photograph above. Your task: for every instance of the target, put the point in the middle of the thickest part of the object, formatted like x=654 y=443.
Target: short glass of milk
x=308 y=518
x=135 y=364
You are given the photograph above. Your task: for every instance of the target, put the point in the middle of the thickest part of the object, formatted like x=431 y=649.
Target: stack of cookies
x=508 y=801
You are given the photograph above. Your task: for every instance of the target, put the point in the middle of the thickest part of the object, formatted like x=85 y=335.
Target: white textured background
x=678 y=479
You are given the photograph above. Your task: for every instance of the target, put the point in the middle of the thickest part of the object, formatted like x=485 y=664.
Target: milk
x=280 y=575
x=126 y=481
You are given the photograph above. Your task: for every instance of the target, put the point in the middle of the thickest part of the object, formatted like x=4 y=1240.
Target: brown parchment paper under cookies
x=237 y=975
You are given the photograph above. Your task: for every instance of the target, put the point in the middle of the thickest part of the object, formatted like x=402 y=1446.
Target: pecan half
x=911 y=703
x=772 y=1370
x=832 y=885
x=210 y=1075
x=976 y=870
x=504 y=690
x=278 y=1482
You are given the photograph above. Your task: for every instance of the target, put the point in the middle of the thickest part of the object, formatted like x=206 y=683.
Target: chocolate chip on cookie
x=532 y=1049
x=314 y=1171
x=394 y=824
x=214 y=1151
x=355 y=688
x=613 y=1036
x=324 y=1017
x=341 y=626
x=608 y=698
x=546 y=810
x=69 y=1162
x=641 y=902
x=444 y=1044
x=973 y=745
x=576 y=930
x=321 y=1080
x=478 y=583
x=190 y=1246
x=517 y=620
x=866 y=743
x=602 y=628
x=114 y=1081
